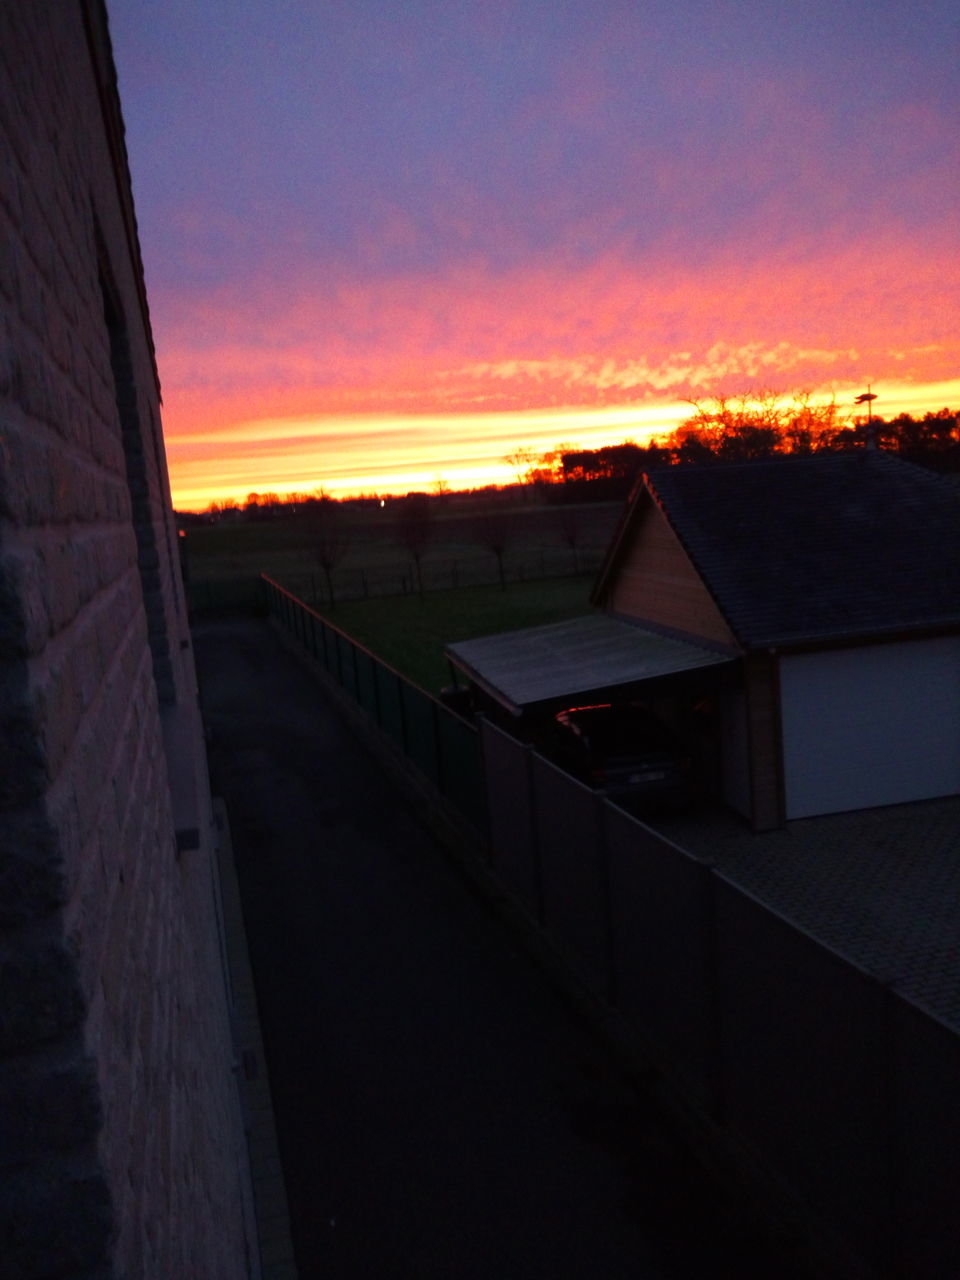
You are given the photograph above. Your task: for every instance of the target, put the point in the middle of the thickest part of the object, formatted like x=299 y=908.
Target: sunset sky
x=388 y=241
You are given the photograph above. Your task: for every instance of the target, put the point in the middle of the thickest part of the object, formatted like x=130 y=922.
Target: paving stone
x=880 y=886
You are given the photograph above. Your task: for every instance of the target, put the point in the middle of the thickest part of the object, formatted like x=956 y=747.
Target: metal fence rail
x=442 y=746
x=437 y=574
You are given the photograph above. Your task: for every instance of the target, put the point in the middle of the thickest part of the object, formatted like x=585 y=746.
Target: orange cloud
x=420 y=374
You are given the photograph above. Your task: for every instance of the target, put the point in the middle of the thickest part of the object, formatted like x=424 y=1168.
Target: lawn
x=376 y=601
x=375 y=561
x=410 y=632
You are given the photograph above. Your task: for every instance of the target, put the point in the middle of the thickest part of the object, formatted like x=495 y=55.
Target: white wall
x=870 y=726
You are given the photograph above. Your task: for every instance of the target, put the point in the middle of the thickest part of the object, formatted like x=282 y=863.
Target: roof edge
x=615 y=545
x=853 y=639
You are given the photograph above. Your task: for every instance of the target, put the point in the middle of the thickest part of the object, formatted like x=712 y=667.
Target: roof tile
x=828 y=546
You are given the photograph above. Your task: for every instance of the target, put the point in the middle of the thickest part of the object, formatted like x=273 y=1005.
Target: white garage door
x=871 y=726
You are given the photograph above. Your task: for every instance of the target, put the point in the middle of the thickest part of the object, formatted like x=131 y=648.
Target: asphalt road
x=442 y=1111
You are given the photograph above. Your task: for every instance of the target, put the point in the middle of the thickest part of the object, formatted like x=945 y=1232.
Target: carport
x=520 y=678
x=596 y=658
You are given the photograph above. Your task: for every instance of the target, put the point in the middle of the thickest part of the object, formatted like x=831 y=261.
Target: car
x=458 y=699
x=621 y=750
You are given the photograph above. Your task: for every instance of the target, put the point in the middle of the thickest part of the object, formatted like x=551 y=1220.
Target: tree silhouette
x=523 y=462
x=331 y=539
x=569 y=521
x=495 y=530
x=415 y=529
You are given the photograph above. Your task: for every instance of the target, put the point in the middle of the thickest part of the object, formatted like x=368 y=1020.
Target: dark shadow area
x=441 y=1109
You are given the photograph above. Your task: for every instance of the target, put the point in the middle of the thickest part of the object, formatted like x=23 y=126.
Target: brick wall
x=121 y=1151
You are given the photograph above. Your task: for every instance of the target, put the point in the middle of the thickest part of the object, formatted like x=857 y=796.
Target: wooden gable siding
x=656 y=582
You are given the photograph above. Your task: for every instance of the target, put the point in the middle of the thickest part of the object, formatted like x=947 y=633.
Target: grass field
x=221 y=556
x=410 y=632
x=375 y=597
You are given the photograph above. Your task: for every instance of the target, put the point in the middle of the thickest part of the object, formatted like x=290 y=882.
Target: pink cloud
x=606 y=334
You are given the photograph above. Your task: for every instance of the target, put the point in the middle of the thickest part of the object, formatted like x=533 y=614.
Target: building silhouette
x=121 y=1143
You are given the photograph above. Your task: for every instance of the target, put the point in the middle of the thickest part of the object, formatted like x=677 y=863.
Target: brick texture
x=121 y=1147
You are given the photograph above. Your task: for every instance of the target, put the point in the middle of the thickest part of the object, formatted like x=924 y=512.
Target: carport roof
x=564 y=661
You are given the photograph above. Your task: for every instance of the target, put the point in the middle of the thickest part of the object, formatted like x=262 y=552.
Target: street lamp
x=867 y=398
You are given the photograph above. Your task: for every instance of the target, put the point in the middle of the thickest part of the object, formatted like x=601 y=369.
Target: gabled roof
x=830 y=546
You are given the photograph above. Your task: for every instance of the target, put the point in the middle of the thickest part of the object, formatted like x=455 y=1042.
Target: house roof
x=582 y=657
x=796 y=550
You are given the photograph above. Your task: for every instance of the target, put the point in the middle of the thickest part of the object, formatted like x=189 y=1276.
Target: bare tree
x=415 y=529
x=495 y=530
x=812 y=428
x=524 y=464
x=331 y=539
x=757 y=424
x=570 y=527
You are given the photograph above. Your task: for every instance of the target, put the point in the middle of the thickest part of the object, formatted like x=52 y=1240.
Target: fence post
x=714 y=1030
x=376 y=696
x=535 y=849
x=438 y=754
x=893 y=1140
x=403 y=715
x=611 y=976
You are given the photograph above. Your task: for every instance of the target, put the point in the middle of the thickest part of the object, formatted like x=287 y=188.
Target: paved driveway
x=879 y=886
x=441 y=1111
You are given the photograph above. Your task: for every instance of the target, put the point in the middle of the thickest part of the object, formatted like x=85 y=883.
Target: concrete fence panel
x=665 y=982
x=925 y=1142
x=803 y=1059
x=845 y=1091
x=513 y=839
x=573 y=868
x=461 y=765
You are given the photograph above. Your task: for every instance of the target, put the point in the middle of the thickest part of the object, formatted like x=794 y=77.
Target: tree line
x=740 y=430
x=721 y=430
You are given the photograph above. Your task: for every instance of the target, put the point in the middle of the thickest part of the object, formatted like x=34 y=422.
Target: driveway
x=879 y=886
x=441 y=1109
